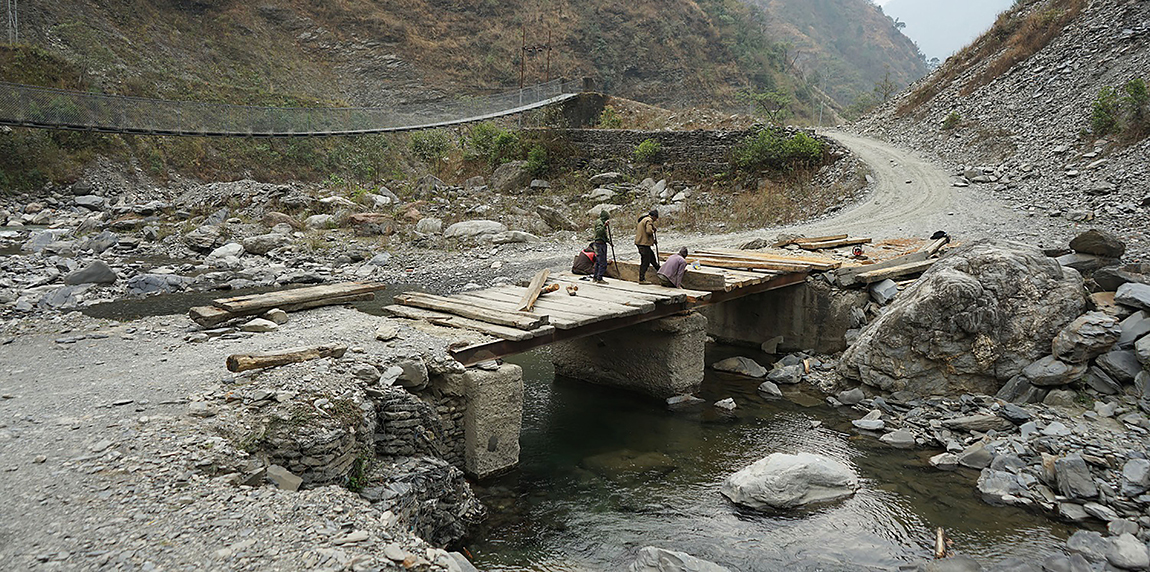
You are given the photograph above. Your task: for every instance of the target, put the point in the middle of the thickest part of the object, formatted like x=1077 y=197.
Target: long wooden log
x=702 y=279
x=734 y=263
x=532 y=293
x=256 y=303
x=798 y=240
x=833 y=243
x=520 y=320
x=244 y=362
x=895 y=271
x=453 y=321
x=815 y=263
x=846 y=275
x=211 y=316
x=937 y=245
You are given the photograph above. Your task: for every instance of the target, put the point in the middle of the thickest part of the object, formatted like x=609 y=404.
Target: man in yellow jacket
x=645 y=239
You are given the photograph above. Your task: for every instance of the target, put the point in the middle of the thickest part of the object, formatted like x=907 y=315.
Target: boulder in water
x=785 y=481
x=652 y=559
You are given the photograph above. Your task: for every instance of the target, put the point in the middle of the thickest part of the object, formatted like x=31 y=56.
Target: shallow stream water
x=604 y=473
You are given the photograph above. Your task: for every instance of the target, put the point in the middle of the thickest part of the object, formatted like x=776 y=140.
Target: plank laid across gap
x=453 y=321
x=587 y=307
x=816 y=263
x=600 y=293
x=734 y=264
x=512 y=318
x=557 y=318
x=702 y=279
x=833 y=243
x=895 y=271
x=846 y=275
x=662 y=293
x=561 y=298
x=267 y=301
x=532 y=293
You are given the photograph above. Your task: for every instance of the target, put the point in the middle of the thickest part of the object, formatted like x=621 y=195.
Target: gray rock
x=1072 y=512
x=959 y=563
x=259 y=325
x=554 y=219
x=975 y=456
x=727 y=404
x=264 y=243
x=652 y=559
x=102 y=242
x=1000 y=487
x=1099 y=243
x=1122 y=365
x=414 y=375
x=1128 y=553
x=429 y=184
x=1134 y=295
x=851 y=396
x=1091 y=545
x=944 y=461
x=1112 y=278
x=883 y=292
x=1087 y=337
x=604 y=178
x=283 y=478
x=1056 y=429
x=429 y=225
x=740 y=366
x=1052 y=372
x=203 y=239
x=276 y=316
x=869 y=424
x=366 y=372
x=96 y=272
x=988 y=309
x=513 y=236
x=1101 y=382
x=1134 y=326
x=786 y=481
x=229 y=249
x=90 y=202
x=1085 y=262
x=1122 y=526
x=1014 y=414
x=510 y=177
x=770 y=389
x=152 y=283
x=1073 y=477
x=600 y=195
x=1142 y=351
x=899 y=439
x=1135 y=477
x=1099 y=511
x=980 y=423
x=320 y=221
x=786 y=375
x=474 y=229
x=681 y=402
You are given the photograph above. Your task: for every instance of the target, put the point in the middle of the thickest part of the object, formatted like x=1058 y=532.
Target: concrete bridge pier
x=661 y=358
x=485 y=413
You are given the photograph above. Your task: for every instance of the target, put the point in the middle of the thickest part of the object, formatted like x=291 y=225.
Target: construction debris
x=226 y=309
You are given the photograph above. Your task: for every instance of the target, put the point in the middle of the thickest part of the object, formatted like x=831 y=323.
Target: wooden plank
x=244 y=362
x=895 y=271
x=532 y=292
x=733 y=264
x=797 y=240
x=559 y=319
x=255 y=303
x=670 y=295
x=211 y=316
x=708 y=280
x=936 y=245
x=594 y=312
x=846 y=275
x=453 y=321
x=815 y=263
x=510 y=317
x=833 y=243
x=562 y=301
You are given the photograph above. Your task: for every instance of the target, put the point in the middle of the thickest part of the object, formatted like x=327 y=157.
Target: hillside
x=1048 y=109
x=383 y=52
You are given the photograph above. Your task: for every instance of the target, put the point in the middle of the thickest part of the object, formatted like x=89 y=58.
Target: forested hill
x=378 y=52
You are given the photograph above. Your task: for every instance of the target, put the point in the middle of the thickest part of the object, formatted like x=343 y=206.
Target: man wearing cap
x=644 y=239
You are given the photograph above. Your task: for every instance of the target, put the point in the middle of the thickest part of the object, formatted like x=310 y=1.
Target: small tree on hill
x=769 y=104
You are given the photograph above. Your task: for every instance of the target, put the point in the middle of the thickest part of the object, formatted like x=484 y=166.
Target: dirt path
x=913 y=197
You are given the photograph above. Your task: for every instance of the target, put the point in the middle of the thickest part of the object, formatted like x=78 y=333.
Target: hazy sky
x=942 y=27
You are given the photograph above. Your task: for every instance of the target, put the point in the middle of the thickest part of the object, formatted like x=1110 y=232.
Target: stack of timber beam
x=821 y=242
x=226 y=309
x=906 y=265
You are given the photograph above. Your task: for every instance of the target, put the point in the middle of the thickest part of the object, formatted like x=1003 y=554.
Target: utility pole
x=523 y=58
x=13 y=22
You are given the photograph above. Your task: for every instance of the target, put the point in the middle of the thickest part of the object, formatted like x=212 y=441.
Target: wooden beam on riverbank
x=833 y=243
x=510 y=318
x=243 y=362
x=294 y=300
x=895 y=271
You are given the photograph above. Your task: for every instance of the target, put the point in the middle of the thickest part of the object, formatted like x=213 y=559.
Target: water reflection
x=604 y=473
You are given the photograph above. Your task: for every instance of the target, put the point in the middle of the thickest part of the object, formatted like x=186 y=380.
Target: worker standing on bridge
x=645 y=239
x=601 y=240
x=671 y=272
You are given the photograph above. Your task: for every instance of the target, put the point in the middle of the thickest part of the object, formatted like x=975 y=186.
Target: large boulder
x=785 y=481
x=741 y=366
x=971 y=323
x=1134 y=295
x=264 y=243
x=1098 y=243
x=473 y=229
x=512 y=176
x=1051 y=372
x=652 y=559
x=1087 y=337
x=97 y=272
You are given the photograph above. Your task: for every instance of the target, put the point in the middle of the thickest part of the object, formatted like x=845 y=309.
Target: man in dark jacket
x=645 y=239
x=601 y=240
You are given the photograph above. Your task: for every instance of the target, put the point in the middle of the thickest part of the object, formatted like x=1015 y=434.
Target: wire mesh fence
x=31 y=106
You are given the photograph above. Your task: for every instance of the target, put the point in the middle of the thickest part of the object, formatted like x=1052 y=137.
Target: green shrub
x=769 y=149
x=537 y=163
x=609 y=119
x=1104 y=117
x=491 y=144
x=646 y=151
x=1136 y=99
x=430 y=146
x=951 y=120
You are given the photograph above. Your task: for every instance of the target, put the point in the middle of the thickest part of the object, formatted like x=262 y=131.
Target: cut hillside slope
x=1013 y=112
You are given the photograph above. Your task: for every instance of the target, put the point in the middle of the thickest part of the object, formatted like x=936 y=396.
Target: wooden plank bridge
x=572 y=307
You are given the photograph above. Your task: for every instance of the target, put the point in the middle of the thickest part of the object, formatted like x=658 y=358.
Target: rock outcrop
x=971 y=323
x=784 y=481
